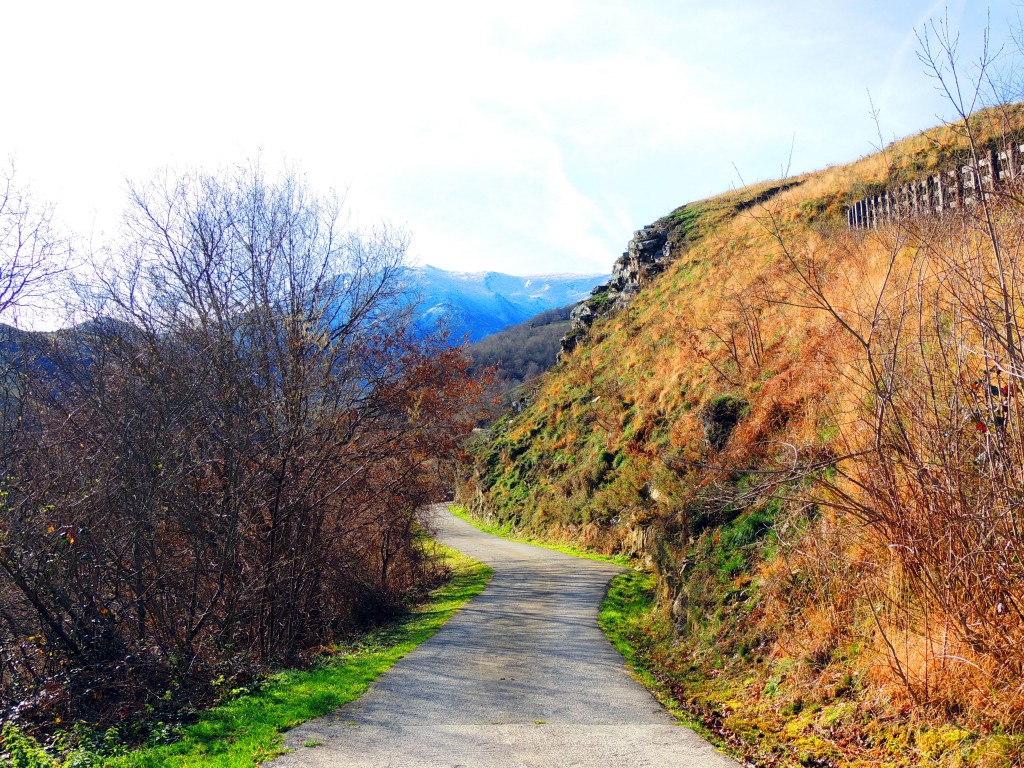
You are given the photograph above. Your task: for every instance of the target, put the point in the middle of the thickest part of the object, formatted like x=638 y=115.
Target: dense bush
x=221 y=470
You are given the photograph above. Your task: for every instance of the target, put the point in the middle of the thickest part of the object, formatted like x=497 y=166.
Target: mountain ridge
x=478 y=304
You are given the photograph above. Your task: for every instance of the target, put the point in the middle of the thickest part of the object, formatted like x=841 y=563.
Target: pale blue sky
x=522 y=137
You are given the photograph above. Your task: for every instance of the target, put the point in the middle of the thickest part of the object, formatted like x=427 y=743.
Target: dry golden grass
x=612 y=453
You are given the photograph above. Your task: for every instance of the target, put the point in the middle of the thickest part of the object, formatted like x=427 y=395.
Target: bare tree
x=228 y=471
x=32 y=252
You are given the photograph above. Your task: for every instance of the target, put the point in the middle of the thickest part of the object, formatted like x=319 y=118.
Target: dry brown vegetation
x=221 y=470
x=839 y=569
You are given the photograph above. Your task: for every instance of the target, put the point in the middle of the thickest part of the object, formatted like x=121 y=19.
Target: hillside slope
x=808 y=435
x=523 y=351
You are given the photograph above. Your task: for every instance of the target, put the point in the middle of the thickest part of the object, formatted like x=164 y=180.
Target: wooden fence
x=945 y=190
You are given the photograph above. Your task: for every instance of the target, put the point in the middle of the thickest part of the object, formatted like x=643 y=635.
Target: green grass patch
x=507 y=531
x=248 y=730
x=630 y=619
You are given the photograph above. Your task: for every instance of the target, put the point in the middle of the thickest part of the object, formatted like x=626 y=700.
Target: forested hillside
x=523 y=352
x=811 y=436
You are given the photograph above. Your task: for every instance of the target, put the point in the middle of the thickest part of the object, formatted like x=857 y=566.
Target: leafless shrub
x=222 y=470
x=32 y=250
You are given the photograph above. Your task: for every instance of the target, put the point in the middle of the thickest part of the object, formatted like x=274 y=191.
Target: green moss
x=599 y=302
x=936 y=742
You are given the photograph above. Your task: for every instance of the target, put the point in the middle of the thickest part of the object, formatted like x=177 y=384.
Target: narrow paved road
x=522 y=676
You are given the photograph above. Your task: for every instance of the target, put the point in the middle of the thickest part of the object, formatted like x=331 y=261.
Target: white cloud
x=515 y=137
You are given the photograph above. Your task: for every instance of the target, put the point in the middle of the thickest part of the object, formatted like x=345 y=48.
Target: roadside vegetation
x=216 y=469
x=812 y=439
x=506 y=531
x=248 y=728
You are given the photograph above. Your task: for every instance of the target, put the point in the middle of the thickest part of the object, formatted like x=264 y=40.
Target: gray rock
x=648 y=254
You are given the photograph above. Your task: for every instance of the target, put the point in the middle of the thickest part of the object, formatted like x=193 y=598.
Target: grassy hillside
x=809 y=436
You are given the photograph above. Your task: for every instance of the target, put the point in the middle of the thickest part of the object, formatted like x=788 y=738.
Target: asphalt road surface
x=522 y=676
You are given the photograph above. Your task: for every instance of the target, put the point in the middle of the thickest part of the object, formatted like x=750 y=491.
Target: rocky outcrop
x=647 y=255
x=581 y=318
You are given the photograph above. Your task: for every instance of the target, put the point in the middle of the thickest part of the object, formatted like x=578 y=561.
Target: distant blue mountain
x=473 y=304
x=477 y=304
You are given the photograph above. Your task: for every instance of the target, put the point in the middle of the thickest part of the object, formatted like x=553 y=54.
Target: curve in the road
x=522 y=676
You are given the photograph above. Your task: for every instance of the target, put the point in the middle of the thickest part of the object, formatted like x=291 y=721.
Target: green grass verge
x=506 y=532
x=248 y=730
x=626 y=617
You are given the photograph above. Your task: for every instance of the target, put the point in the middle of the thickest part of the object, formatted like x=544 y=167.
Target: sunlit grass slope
x=659 y=436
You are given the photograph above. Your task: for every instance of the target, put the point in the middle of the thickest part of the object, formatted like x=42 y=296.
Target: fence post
x=987 y=171
x=954 y=189
x=969 y=176
x=1006 y=170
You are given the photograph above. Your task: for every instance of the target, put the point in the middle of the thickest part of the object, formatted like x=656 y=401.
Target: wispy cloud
x=522 y=138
